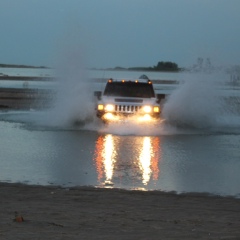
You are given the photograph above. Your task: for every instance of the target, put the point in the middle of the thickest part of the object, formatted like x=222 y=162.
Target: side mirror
x=160 y=97
x=98 y=94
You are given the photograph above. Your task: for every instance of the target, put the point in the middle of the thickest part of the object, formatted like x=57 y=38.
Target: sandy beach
x=39 y=212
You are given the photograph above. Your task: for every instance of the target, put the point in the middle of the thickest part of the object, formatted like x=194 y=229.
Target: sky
x=125 y=33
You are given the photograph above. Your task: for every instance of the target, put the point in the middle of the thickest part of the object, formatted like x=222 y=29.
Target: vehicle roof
x=143 y=78
x=129 y=89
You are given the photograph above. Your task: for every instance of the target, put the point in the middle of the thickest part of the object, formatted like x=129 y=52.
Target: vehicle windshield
x=129 y=89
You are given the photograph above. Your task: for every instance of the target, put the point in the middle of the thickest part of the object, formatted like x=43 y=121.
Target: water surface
x=166 y=159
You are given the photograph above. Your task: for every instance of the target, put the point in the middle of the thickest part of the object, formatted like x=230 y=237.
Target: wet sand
x=93 y=213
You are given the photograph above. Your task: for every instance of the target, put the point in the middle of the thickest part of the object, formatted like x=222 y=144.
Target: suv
x=123 y=99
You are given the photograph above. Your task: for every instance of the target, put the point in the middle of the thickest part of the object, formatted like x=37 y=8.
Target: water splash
x=74 y=95
x=74 y=99
x=196 y=107
x=197 y=102
x=132 y=128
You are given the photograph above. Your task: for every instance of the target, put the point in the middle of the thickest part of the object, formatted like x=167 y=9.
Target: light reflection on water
x=144 y=160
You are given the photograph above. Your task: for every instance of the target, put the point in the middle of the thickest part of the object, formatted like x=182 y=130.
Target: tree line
x=161 y=66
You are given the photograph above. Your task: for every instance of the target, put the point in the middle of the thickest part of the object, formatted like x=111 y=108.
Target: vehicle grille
x=127 y=108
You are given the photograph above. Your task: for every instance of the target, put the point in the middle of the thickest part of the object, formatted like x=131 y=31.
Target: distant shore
x=19 y=66
x=25 y=78
x=38 y=212
x=147 y=69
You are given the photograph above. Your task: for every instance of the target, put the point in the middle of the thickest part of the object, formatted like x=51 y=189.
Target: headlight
x=109 y=108
x=147 y=109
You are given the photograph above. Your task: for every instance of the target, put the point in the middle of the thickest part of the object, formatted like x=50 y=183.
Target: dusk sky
x=126 y=33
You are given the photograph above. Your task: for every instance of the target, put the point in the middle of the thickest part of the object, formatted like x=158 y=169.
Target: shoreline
x=25 y=98
x=54 y=212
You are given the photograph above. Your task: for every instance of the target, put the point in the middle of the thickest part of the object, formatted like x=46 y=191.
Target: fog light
x=100 y=107
x=108 y=116
x=156 y=109
x=145 y=118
